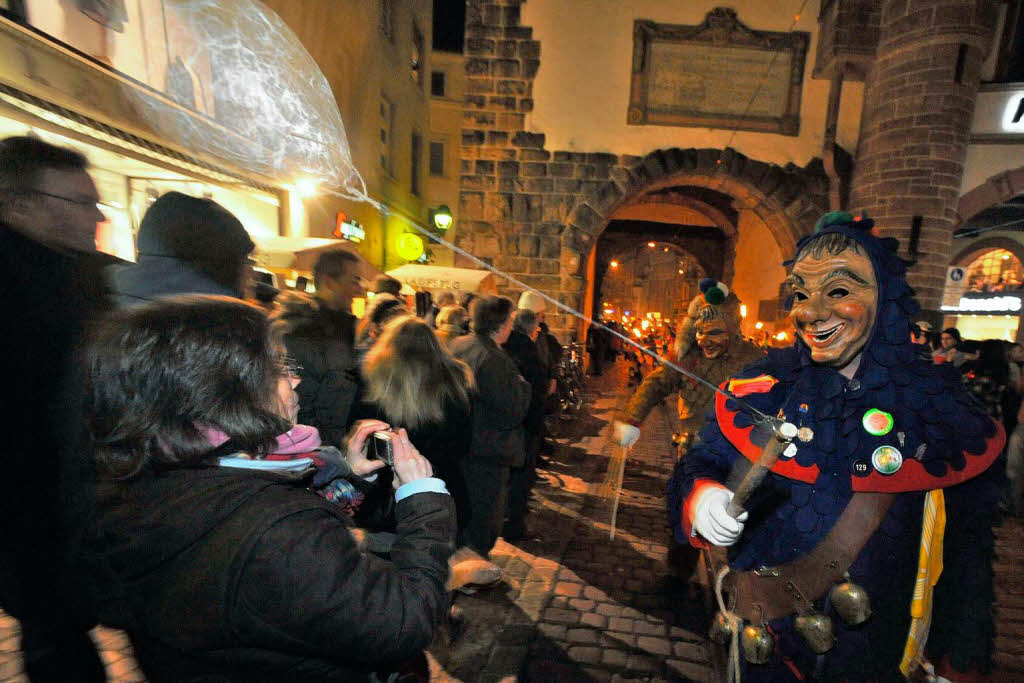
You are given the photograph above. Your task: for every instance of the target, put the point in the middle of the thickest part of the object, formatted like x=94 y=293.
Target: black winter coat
x=321 y=341
x=46 y=492
x=444 y=445
x=500 y=403
x=245 y=575
x=524 y=352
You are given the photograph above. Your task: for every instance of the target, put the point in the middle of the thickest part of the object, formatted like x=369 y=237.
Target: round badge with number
x=887 y=459
x=877 y=422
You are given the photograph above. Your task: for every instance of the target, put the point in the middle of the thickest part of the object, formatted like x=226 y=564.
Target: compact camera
x=382 y=447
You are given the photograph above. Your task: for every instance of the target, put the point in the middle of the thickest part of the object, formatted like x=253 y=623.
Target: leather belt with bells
x=773 y=592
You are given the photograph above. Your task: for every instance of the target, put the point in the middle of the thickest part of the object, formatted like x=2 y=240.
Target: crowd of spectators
x=271 y=489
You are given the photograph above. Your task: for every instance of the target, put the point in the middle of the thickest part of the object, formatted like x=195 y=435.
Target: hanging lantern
x=410 y=246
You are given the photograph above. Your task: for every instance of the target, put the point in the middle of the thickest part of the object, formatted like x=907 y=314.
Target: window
x=437 y=84
x=416 y=63
x=436 y=158
x=995 y=270
x=417 y=152
x=387 y=19
x=387 y=124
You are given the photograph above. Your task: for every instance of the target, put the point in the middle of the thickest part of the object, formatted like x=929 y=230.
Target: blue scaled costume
x=948 y=444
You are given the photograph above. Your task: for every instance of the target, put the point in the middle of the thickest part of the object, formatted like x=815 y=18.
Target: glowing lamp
x=409 y=246
x=442 y=217
x=651 y=245
x=614 y=264
x=743 y=310
x=758 y=325
x=307 y=187
x=782 y=336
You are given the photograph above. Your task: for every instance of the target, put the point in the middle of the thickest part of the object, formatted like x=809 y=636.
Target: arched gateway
x=741 y=197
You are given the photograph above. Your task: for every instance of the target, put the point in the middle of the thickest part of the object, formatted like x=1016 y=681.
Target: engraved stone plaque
x=719 y=74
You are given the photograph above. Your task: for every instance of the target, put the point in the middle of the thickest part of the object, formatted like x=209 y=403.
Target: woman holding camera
x=222 y=573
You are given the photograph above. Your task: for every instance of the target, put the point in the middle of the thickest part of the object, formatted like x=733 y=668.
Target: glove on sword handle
x=784 y=433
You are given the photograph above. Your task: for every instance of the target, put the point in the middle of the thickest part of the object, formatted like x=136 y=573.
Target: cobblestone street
x=577 y=604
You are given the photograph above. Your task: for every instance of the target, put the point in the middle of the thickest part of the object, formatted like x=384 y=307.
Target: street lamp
x=441 y=217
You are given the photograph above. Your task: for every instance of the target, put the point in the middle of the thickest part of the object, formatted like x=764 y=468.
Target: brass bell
x=757 y=644
x=721 y=630
x=851 y=603
x=816 y=629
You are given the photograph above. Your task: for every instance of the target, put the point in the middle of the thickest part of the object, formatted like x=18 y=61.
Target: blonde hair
x=410 y=377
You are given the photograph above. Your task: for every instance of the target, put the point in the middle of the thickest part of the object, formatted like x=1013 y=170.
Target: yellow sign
x=410 y=246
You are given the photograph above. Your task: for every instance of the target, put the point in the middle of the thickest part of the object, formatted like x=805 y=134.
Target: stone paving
x=577 y=604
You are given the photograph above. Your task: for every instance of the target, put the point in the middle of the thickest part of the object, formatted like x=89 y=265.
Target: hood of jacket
x=155 y=277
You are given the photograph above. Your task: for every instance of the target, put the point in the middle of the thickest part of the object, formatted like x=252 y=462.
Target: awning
x=301 y=253
x=441 y=278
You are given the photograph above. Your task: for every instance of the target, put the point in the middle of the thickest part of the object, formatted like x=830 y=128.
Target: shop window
x=13 y=9
x=387 y=125
x=436 y=158
x=995 y=270
x=417 y=152
x=437 y=84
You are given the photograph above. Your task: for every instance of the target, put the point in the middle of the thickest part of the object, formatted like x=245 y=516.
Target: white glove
x=626 y=434
x=711 y=521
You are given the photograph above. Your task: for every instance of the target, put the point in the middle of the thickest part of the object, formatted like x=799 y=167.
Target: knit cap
x=192 y=229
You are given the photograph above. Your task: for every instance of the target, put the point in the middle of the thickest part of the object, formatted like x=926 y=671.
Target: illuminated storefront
x=59 y=92
x=990 y=305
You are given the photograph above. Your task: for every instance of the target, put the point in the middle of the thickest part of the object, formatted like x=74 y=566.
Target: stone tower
x=918 y=105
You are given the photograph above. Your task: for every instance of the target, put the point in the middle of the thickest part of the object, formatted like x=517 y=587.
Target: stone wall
x=536 y=213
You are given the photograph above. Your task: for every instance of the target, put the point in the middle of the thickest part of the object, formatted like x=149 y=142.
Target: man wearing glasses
x=52 y=284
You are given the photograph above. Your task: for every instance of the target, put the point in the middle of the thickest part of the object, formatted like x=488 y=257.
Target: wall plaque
x=719 y=74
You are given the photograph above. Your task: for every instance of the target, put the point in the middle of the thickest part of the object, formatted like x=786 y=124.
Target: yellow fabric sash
x=929 y=568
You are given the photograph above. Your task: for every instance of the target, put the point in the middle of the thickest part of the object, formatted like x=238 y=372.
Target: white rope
x=733 y=671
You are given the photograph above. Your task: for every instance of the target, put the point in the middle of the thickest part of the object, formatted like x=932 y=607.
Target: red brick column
x=918 y=104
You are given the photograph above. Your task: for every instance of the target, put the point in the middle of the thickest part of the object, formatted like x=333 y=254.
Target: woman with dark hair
x=950 y=350
x=499 y=409
x=243 y=574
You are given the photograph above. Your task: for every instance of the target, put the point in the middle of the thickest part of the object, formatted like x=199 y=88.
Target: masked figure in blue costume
x=889 y=483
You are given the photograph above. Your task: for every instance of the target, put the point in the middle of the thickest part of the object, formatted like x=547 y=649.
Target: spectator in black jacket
x=52 y=280
x=243 y=574
x=521 y=346
x=187 y=245
x=500 y=404
x=319 y=333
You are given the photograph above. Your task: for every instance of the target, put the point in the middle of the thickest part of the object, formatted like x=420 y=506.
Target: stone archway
x=975 y=249
x=788 y=200
x=996 y=190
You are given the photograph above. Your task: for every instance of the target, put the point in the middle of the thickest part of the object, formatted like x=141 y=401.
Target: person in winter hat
x=186 y=245
x=709 y=344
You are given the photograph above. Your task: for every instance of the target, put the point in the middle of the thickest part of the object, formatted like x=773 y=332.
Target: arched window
x=994 y=270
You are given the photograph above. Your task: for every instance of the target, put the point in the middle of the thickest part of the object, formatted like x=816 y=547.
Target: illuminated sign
x=986 y=305
x=1013 y=114
x=348 y=230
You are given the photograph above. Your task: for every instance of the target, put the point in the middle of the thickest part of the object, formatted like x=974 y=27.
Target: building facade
x=582 y=118
x=86 y=74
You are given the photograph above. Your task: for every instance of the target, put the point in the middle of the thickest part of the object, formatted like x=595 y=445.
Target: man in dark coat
x=500 y=404
x=319 y=333
x=51 y=276
x=523 y=350
x=187 y=245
